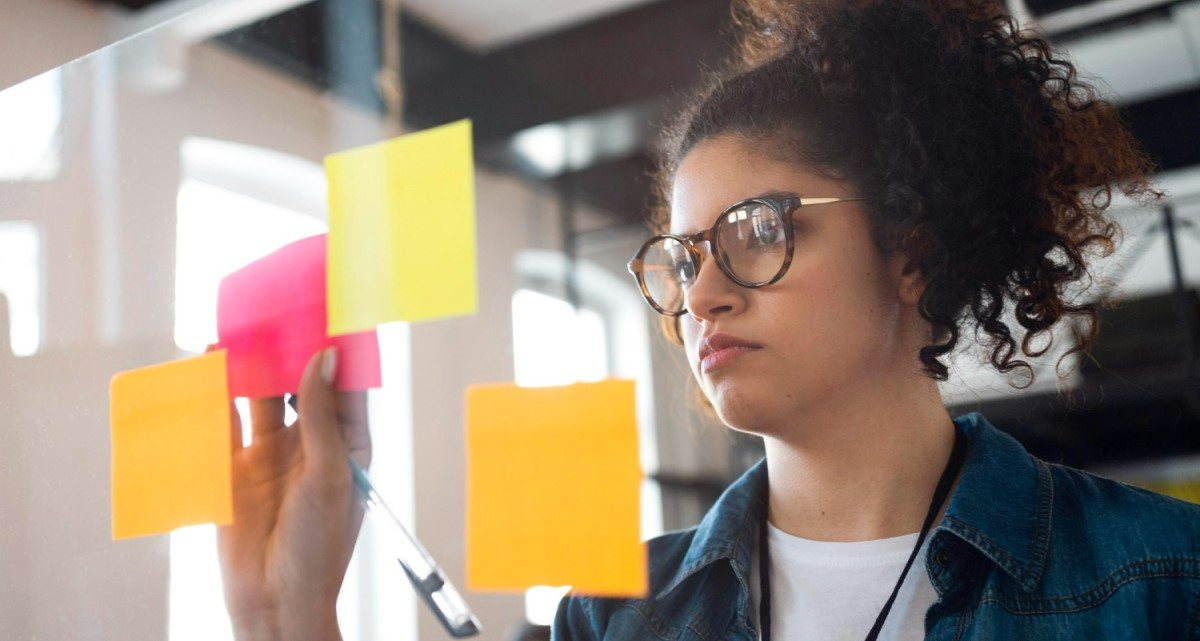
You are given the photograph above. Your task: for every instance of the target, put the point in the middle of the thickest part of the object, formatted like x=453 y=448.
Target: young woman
x=876 y=180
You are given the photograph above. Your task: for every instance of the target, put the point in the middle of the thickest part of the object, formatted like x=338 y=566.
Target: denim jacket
x=1025 y=550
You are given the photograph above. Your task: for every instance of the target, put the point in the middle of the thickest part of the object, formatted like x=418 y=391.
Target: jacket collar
x=728 y=530
x=1001 y=507
x=1002 y=503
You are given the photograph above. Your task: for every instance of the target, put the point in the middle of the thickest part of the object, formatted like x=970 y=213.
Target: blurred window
x=30 y=124
x=219 y=230
x=555 y=345
x=21 y=276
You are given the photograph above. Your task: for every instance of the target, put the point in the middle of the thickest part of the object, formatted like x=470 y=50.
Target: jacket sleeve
x=574 y=621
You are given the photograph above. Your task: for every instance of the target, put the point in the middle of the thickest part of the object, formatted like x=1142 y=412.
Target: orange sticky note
x=553 y=484
x=170 y=431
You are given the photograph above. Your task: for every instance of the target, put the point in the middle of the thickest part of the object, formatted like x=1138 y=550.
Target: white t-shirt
x=833 y=591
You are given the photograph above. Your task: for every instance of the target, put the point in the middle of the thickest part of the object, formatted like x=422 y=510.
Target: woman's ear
x=905 y=271
x=904 y=265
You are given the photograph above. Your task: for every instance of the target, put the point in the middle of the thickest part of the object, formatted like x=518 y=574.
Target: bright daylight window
x=29 y=131
x=554 y=345
x=218 y=232
x=238 y=203
x=21 y=284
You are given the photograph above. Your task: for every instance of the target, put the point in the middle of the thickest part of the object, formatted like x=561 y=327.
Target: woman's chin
x=744 y=411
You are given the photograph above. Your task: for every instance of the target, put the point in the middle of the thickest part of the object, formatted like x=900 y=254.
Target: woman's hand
x=295 y=513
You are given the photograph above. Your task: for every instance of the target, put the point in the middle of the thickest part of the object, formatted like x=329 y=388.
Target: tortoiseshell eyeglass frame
x=783 y=204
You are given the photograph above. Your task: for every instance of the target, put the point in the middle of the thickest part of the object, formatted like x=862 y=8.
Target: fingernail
x=329 y=365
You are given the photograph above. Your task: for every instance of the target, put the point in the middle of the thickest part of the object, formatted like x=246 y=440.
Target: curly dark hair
x=979 y=151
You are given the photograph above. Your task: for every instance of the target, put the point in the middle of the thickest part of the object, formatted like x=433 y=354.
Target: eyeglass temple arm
x=822 y=201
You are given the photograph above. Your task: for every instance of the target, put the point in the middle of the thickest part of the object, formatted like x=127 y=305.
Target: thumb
x=319 y=434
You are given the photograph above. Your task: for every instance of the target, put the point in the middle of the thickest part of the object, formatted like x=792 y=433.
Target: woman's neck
x=861 y=471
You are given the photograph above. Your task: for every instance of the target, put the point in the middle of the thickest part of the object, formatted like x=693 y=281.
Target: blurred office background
x=148 y=147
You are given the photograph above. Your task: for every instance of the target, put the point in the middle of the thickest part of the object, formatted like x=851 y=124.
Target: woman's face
x=828 y=330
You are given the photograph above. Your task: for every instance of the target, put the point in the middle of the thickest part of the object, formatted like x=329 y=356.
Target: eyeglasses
x=752 y=241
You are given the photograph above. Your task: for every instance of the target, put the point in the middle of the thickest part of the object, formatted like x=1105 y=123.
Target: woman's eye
x=766 y=233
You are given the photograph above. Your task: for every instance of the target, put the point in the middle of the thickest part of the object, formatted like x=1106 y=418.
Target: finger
x=352 y=407
x=235 y=427
x=320 y=436
x=354 y=425
x=266 y=415
x=235 y=419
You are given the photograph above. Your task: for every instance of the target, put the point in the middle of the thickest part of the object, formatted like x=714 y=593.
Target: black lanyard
x=939 y=496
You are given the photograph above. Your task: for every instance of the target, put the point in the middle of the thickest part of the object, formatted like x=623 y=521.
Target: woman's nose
x=711 y=292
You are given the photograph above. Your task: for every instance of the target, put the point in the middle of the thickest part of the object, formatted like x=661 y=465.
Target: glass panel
x=132 y=180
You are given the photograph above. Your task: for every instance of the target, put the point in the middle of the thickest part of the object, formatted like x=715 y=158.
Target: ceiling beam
x=647 y=52
x=646 y=55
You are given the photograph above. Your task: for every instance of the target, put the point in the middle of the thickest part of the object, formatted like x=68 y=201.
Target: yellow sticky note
x=402 y=230
x=170 y=431
x=553 y=485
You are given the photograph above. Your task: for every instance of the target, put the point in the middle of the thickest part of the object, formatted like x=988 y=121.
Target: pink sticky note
x=271 y=317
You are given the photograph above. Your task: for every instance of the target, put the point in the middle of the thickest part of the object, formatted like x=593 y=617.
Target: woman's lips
x=718 y=350
x=723 y=357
